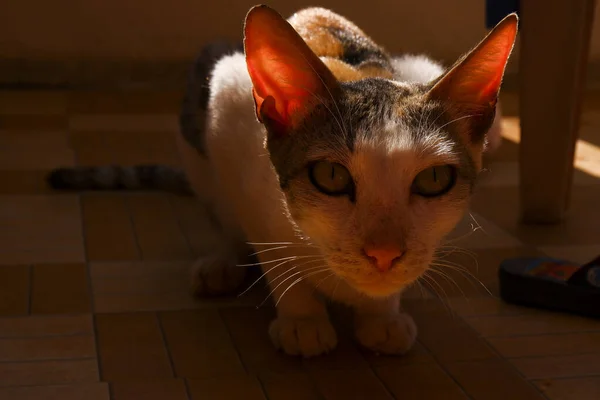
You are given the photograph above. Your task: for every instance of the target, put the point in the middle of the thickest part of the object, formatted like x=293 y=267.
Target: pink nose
x=383 y=256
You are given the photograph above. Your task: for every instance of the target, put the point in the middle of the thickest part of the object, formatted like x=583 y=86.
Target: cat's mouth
x=382 y=284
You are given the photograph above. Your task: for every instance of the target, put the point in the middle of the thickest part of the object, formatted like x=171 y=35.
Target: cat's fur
x=384 y=119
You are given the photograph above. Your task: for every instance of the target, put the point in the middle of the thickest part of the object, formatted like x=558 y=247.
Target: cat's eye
x=331 y=178
x=434 y=181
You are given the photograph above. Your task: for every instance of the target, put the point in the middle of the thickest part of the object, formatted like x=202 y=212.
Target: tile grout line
x=30 y=297
x=163 y=337
x=125 y=198
x=233 y=343
x=501 y=358
x=181 y=227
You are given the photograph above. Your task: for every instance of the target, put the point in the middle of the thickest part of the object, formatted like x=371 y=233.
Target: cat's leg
x=219 y=271
x=382 y=327
x=302 y=326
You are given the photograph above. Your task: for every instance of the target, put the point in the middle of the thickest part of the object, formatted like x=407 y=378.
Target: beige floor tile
x=142 y=286
x=60 y=289
x=420 y=381
x=47 y=348
x=125 y=102
x=350 y=384
x=416 y=355
x=34 y=150
x=199 y=344
x=195 y=224
x=124 y=148
x=532 y=324
x=248 y=328
x=571 y=389
x=40 y=326
x=40 y=229
x=88 y=391
x=131 y=347
x=233 y=388
x=455 y=342
x=33 y=102
x=547 y=345
x=492 y=380
x=346 y=355
x=172 y=389
x=15 y=281
x=24 y=182
x=558 y=366
x=124 y=123
x=48 y=372
x=109 y=234
x=292 y=386
x=580 y=254
x=158 y=232
x=501 y=206
x=483 y=306
x=506 y=174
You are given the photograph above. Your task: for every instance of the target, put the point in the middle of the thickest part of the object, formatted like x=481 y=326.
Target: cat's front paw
x=306 y=337
x=393 y=335
x=216 y=274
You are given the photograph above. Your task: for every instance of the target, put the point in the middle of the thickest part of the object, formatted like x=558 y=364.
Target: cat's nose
x=383 y=257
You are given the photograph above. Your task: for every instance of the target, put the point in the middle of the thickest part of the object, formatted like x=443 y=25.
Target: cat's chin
x=378 y=289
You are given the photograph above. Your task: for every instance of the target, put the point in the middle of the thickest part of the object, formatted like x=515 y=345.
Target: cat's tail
x=149 y=177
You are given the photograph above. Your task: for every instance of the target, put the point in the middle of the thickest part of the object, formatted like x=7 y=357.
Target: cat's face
x=385 y=168
x=375 y=172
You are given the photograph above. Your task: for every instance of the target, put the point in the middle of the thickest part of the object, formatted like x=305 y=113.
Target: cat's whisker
x=271 y=269
x=433 y=285
x=277 y=243
x=449 y=279
x=275 y=248
x=466 y=273
x=323 y=280
x=458 y=119
x=279 y=259
x=294 y=267
x=296 y=282
x=319 y=267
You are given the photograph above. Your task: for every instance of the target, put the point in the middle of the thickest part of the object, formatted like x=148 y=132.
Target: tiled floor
x=94 y=300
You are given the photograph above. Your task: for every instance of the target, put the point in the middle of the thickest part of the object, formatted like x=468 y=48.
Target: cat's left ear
x=471 y=87
x=288 y=79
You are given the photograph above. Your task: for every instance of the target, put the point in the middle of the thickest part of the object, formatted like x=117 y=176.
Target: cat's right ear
x=288 y=79
x=471 y=87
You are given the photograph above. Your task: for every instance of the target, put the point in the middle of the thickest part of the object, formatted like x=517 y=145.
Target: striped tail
x=116 y=177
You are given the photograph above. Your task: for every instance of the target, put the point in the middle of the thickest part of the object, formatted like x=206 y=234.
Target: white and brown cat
x=342 y=167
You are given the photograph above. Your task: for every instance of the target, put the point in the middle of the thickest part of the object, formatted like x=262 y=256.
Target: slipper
x=552 y=284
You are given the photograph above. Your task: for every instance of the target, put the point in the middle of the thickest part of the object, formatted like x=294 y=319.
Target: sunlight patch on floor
x=587 y=155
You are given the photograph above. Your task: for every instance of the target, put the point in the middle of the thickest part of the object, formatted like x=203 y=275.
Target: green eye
x=434 y=181
x=331 y=178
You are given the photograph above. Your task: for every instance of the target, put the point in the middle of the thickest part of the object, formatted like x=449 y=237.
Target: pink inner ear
x=477 y=79
x=282 y=67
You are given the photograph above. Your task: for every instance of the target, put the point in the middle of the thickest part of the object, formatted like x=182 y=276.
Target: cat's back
x=348 y=51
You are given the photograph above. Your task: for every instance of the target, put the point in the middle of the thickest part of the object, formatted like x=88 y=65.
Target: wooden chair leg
x=555 y=38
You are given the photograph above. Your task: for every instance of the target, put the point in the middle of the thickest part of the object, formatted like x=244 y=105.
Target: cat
x=342 y=168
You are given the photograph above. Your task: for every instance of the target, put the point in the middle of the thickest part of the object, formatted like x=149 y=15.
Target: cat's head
x=375 y=172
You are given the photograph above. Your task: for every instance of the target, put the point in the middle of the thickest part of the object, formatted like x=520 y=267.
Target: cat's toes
x=391 y=335
x=216 y=274
x=307 y=337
